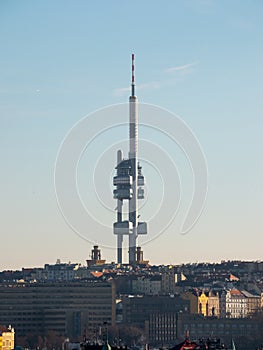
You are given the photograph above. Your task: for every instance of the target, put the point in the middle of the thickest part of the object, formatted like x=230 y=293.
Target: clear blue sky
x=61 y=60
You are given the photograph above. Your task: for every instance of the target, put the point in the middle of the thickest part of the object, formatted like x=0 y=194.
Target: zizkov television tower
x=129 y=182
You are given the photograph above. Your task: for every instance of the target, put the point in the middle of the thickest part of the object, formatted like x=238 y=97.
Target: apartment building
x=239 y=304
x=155 y=314
x=208 y=304
x=147 y=285
x=68 y=308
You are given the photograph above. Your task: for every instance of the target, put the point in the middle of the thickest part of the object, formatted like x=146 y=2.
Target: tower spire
x=133 y=79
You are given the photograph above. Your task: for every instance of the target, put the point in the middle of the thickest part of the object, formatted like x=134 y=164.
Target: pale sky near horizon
x=62 y=60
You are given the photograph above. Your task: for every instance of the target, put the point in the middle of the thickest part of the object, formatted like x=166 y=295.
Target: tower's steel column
x=133 y=156
x=119 y=217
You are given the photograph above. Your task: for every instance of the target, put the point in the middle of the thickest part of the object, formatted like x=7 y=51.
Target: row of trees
x=52 y=340
x=127 y=335
x=121 y=335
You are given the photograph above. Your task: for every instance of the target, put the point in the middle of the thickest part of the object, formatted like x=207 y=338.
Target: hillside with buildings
x=139 y=303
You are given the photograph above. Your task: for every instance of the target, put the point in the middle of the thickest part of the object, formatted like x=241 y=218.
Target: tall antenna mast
x=133 y=78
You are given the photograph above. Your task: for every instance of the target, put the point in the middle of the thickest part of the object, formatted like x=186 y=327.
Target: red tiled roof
x=235 y=292
x=97 y=273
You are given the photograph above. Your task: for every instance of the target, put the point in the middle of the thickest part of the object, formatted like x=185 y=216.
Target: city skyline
x=200 y=60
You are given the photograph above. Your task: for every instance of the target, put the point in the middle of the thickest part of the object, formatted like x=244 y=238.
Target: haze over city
x=61 y=61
